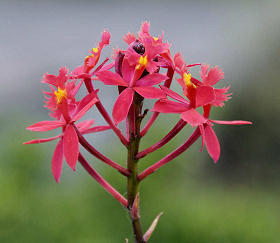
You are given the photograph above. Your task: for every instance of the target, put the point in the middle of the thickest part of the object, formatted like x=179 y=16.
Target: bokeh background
x=233 y=201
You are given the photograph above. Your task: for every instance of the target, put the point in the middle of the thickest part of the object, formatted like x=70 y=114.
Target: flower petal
x=212 y=143
x=127 y=70
x=129 y=38
x=71 y=146
x=151 y=79
x=49 y=79
x=237 y=122
x=193 y=117
x=173 y=95
x=122 y=105
x=203 y=72
x=204 y=95
x=81 y=110
x=84 y=125
x=45 y=126
x=221 y=95
x=96 y=129
x=57 y=160
x=77 y=71
x=168 y=106
x=110 y=78
x=215 y=74
x=150 y=92
x=42 y=140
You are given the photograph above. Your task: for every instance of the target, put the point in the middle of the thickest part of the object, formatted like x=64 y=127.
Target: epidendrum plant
x=137 y=76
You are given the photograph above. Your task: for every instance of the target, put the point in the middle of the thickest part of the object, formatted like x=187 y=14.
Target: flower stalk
x=102 y=181
x=134 y=122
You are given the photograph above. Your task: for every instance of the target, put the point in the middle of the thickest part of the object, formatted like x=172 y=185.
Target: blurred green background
x=233 y=201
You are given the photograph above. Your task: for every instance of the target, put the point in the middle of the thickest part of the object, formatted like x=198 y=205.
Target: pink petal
x=122 y=105
x=151 y=79
x=62 y=77
x=173 y=95
x=144 y=30
x=127 y=70
x=215 y=74
x=132 y=57
x=105 y=38
x=45 y=126
x=204 y=95
x=203 y=72
x=221 y=95
x=168 y=106
x=81 y=112
x=178 y=60
x=100 y=67
x=129 y=38
x=237 y=122
x=110 y=78
x=96 y=129
x=152 y=66
x=212 y=143
x=77 y=87
x=150 y=92
x=57 y=160
x=49 y=79
x=107 y=67
x=42 y=140
x=84 y=124
x=71 y=146
x=193 y=117
x=77 y=71
x=89 y=97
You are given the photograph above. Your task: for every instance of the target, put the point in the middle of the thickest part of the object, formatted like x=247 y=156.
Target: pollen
x=155 y=38
x=95 y=50
x=60 y=94
x=187 y=79
x=142 y=62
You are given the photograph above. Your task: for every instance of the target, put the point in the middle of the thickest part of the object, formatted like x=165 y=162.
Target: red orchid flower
x=149 y=53
x=194 y=118
x=143 y=86
x=68 y=111
x=92 y=59
x=201 y=93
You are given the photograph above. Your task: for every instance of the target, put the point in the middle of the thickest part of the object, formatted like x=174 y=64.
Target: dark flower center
x=138 y=47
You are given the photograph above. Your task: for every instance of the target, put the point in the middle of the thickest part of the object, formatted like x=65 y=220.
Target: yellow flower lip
x=142 y=62
x=187 y=79
x=95 y=50
x=60 y=94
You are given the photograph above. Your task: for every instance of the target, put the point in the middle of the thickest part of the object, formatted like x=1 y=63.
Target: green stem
x=134 y=121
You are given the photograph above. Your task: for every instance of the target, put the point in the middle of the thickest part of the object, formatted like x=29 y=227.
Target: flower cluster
x=144 y=70
x=137 y=74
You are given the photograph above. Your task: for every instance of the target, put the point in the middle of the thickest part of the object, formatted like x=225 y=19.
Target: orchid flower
x=143 y=86
x=67 y=111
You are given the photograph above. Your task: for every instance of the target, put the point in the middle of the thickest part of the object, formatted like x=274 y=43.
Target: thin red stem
x=99 y=155
x=102 y=181
x=108 y=119
x=171 y=156
x=176 y=129
x=105 y=114
x=167 y=83
x=149 y=124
